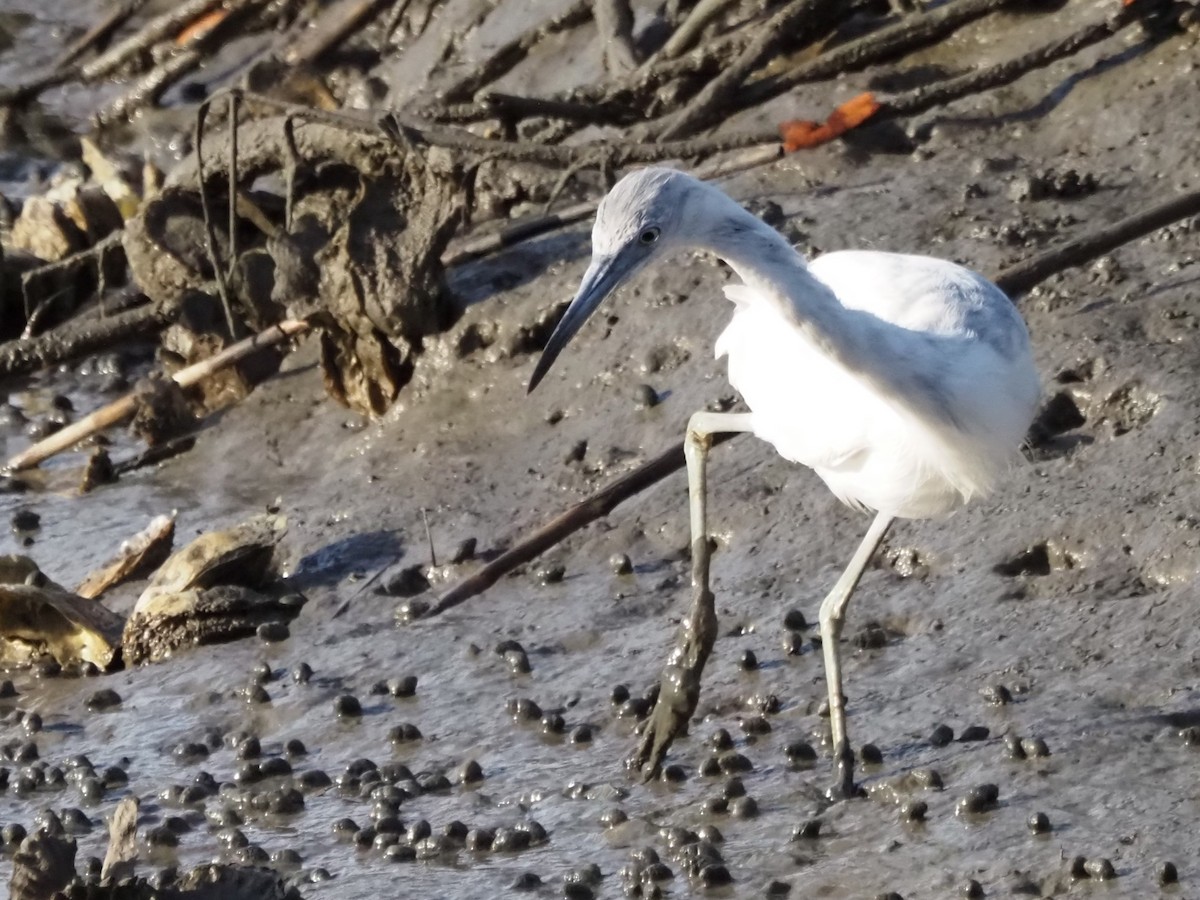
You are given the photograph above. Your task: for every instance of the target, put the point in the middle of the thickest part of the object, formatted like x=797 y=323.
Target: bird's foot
x=844 y=787
x=678 y=694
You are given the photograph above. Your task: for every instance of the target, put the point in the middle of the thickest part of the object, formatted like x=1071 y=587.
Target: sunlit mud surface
x=1072 y=591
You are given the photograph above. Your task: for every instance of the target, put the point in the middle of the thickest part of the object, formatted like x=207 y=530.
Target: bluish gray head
x=644 y=216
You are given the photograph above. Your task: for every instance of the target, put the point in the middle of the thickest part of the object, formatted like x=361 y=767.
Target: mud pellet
x=286 y=858
x=190 y=752
x=158 y=836
x=31 y=723
x=364 y=838
x=273 y=632
x=634 y=708
x=419 y=830
x=808 y=830
x=25 y=520
x=744 y=808
x=755 y=725
x=777 y=889
x=232 y=838
x=733 y=788
x=347 y=706
x=92 y=867
x=479 y=839
x=344 y=829
x=250 y=748
x=465 y=551
x=551 y=574
x=657 y=871
x=13 y=834
x=941 y=735
x=91 y=790
x=384 y=839
x=888 y=895
x=302 y=673
x=1039 y=823
x=523 y=708
x=674 y=774
x=620 y=564
x=1190 y=736
x=389 y=824
x=455 y=831
x=1035 y=747
x=257 y=694
x=47 y=667
x=735 y=762
x=974 y=733
x=576 y=891
x=517 y=661
x=710 y=767
x=1077 y=867
x=930 y=779
x=581 y=734
x=715 y=806
x=553 y=723
x=714 y=876
x=404 y=733
x=471 y=772
x=793 y=643
x=105 y=698
x=295 y=747
x=526 y=881
x=537 y=833
x=1099 y=869
x=314 y=780
x=7 y=689
x=748 y=661
x=405 y=686
x=870 y=755
x=611 y=818
x=795 y=620
x=643 y=856
x=618 y=695
x=1167 y=873
x=710 y=834
x=997 y=695
x=114 y=776
x=508 y=840
x=1012 y=746
x=720 y=739
x=433 y=782
x=400 y=853
x=914 y=810
x=76 y=821
x=980 y=798
x=800 y=754
x=177 y=824
x=972 y=890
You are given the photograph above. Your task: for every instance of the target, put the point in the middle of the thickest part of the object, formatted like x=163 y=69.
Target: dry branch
x=121 y=409
x=77 y=339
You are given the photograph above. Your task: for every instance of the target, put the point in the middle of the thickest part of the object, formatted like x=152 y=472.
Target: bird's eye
x=649 y=236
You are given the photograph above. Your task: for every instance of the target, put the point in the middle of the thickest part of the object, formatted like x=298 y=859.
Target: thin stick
x=210 y=233
x=597 y=506
x=429 y=537
x=1013 y=280
x=127 y=405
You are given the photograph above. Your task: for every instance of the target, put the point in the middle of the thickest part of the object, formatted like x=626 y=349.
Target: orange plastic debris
x=201 y=27
x=800 y=134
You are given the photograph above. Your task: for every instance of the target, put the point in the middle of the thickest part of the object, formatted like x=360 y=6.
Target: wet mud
x=1021 y=677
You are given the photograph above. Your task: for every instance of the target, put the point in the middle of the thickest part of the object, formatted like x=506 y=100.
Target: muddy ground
x=1074 y=587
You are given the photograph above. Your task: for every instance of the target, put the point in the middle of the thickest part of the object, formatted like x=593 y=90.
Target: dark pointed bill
x=602 y=276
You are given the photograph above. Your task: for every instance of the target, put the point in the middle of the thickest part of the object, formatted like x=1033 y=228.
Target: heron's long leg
x=833 y=614
x=679 y=689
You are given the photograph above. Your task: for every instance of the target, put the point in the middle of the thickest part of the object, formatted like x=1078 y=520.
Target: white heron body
x=875 y=448
x=905 y=382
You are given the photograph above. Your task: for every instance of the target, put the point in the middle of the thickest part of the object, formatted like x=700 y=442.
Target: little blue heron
x=904 y=382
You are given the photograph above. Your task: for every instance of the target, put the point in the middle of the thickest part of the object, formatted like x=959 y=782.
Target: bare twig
x=121 y=409
x=597 y=506
x=715 y=96
x=689 y=30
x=334 y=25
x=909 y=33
x=150 y=86
x=1019 y=278
x=161 y=27
x=614 y=22
x=210 y=233
x=79 y=339
x=512 y=53
x=100 y=32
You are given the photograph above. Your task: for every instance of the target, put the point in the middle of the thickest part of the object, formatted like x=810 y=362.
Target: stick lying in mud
x=1014 y=280
x=595 y=507
x=121 y=409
